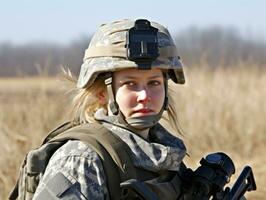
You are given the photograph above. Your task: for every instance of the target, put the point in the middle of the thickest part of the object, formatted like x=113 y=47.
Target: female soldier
x=123 y=87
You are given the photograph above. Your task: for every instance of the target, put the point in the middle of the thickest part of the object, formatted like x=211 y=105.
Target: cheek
x=158 y=99
x=124 y=100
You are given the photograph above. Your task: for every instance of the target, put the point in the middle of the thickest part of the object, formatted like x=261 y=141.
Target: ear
x=102 y=97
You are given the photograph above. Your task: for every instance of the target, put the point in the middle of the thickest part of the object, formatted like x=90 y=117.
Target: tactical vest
x=113 y=152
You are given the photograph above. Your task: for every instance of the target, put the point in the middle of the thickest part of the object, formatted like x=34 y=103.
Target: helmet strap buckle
x=112 y=103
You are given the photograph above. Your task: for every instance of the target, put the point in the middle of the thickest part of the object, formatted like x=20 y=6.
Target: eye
x=129 y=83
x=154 y=83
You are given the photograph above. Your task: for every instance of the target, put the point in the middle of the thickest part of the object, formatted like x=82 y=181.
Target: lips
x=143 y=110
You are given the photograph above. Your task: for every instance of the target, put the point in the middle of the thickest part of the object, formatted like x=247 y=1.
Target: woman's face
x=139 y=92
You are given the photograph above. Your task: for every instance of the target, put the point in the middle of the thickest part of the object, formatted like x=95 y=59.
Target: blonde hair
x=86 y=101
x=172 y=115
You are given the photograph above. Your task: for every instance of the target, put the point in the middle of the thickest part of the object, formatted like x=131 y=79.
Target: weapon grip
x=245 y=182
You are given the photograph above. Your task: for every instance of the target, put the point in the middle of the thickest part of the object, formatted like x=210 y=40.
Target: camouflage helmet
x=107 y=52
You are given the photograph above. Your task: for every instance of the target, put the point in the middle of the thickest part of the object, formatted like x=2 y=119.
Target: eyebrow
x=133 y=77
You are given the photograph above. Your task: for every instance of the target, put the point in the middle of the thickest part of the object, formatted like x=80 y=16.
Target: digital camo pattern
x=81 y=166
x=166 y=152
x=84 y=169
x=114 y=34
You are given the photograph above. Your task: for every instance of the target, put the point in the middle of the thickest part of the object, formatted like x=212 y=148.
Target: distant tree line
x=213 y=47
x=218 y=46
x=41 y=57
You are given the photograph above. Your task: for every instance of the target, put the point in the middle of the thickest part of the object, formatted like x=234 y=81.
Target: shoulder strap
x=113 y=151
x=59 y=130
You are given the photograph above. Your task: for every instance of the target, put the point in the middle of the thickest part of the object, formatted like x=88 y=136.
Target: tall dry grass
x=219 y=110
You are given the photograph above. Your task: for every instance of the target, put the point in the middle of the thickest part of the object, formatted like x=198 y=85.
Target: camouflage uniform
x=82 y=167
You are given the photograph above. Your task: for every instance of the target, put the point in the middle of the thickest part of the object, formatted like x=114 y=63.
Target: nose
x=143 y=96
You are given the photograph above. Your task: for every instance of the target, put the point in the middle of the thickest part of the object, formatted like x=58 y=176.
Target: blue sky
x=61 y=21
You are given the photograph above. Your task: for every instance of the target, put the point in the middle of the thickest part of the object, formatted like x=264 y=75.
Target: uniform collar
x=162 y=151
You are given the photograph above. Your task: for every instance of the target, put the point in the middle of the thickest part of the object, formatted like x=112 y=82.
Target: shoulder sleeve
x=75 y=171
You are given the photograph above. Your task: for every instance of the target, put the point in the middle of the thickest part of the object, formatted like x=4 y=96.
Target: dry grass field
x=219 y=110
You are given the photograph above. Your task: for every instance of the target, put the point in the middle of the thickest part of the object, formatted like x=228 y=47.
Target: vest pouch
x=34 y=168
x=22 y=191
x=32 y=181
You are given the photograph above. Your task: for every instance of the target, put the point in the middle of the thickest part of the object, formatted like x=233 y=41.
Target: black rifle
x=245 y=182
x=206 y=182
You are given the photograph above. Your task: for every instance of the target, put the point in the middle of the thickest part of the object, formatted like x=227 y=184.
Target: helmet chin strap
x=135 y=123
x=112 y=103
x=144 y=122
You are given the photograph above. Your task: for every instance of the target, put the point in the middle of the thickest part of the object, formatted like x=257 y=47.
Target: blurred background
x=222 y=44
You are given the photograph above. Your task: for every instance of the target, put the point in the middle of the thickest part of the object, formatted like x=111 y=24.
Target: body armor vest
x=114 y=153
